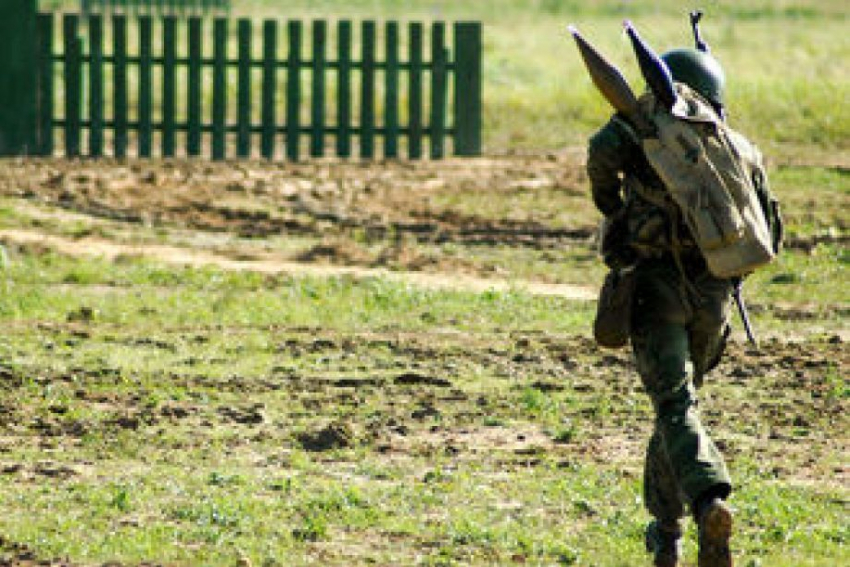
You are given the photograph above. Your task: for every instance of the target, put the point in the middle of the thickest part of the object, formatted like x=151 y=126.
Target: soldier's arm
x=606 y=155
x=770 y=207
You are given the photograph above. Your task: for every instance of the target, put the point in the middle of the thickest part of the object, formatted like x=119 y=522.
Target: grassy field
x=242 y=364
x=153 y=412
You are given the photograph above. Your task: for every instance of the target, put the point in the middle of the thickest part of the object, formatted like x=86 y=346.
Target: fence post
x=437 y=126
x=19 y=70
x=414 y=100
x=367 y=90
x=467 y=107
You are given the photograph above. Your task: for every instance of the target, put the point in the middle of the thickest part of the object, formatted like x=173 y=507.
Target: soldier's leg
x=660 y=489
x=709 y=329
x=660 y=341
x=664 y=501
x=709 y=326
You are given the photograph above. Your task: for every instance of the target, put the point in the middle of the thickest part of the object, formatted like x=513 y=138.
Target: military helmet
x=698 y=70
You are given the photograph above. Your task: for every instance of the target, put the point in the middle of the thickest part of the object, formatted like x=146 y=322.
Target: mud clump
x=251 y=415
x=414 y=379
x=337 y=435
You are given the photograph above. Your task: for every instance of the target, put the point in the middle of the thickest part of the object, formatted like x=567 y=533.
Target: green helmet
x=698 y=70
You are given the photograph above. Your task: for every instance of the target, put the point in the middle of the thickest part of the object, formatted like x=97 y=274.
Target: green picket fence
x=232 y=102
x=162 y=86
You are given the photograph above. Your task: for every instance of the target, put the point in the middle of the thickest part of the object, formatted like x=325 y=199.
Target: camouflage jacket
x=631 y=195
x=642 y=218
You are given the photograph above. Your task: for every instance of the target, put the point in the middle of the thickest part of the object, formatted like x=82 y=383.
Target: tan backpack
x=717 y=180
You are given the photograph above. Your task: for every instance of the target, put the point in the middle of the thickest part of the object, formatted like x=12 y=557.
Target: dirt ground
x=399 y=219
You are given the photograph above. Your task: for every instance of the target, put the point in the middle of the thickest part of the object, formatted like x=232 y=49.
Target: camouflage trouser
x=677 y=336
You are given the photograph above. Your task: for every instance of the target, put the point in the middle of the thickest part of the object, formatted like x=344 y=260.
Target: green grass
x=152 y=413
x=53 y=287
x=156 y=413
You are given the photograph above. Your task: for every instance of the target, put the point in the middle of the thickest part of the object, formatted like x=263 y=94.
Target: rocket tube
x=608 y=79
x=654 y=70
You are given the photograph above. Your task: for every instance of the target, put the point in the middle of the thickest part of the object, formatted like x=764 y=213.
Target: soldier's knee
x=672 y=407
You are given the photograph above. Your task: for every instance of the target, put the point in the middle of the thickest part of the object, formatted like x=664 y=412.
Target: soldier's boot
x=715 y=529
x=664 y=542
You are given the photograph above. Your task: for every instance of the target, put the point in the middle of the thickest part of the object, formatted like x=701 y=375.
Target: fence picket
x=437 y=127
x=96 y=86
x=193 y=135
x=414 y=126
x=467 y=99
x=219 y=89
x=293 y=90
x=391 y=91
x=367 y=91
x=72 y=85
x=119 y=87
x=45 y=85
x=145 y=86
x=243 y=118
x=317 y=102
x=169 y=55
x=343 y=137
x=269 y=87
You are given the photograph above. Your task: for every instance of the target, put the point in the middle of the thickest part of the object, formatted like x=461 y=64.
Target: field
x=346 y=363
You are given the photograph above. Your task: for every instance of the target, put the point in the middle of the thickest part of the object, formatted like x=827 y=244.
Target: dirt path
x=267 y=263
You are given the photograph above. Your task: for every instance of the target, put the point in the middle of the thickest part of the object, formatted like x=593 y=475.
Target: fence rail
x=181 y=7
x=169 y=85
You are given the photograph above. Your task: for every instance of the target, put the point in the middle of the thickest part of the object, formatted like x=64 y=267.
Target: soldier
x=678 y=326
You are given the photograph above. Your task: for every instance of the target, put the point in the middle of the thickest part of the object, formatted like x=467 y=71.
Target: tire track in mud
x=98 y=247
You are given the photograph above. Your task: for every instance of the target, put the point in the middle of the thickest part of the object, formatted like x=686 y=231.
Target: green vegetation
x=196 y=415
x=151 y=412
x=787 y=63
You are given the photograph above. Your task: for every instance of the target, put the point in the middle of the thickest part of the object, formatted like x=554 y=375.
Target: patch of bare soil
x=315 y=198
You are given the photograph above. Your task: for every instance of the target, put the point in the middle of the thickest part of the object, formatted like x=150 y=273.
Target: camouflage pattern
x=677 y=336
x=679 y=323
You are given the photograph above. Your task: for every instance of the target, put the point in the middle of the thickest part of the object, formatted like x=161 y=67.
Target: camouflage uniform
x=678 y=326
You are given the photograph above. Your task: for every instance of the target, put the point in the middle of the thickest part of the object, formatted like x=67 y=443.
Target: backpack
x=717 y=181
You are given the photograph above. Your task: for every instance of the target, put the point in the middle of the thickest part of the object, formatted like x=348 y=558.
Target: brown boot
x=665 y=543
x=715 y=529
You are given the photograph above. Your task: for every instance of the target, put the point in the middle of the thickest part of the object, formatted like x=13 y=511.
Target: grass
x=154 y=412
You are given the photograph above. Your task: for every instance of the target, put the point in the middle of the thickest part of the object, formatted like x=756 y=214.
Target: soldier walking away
x=678 y=311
